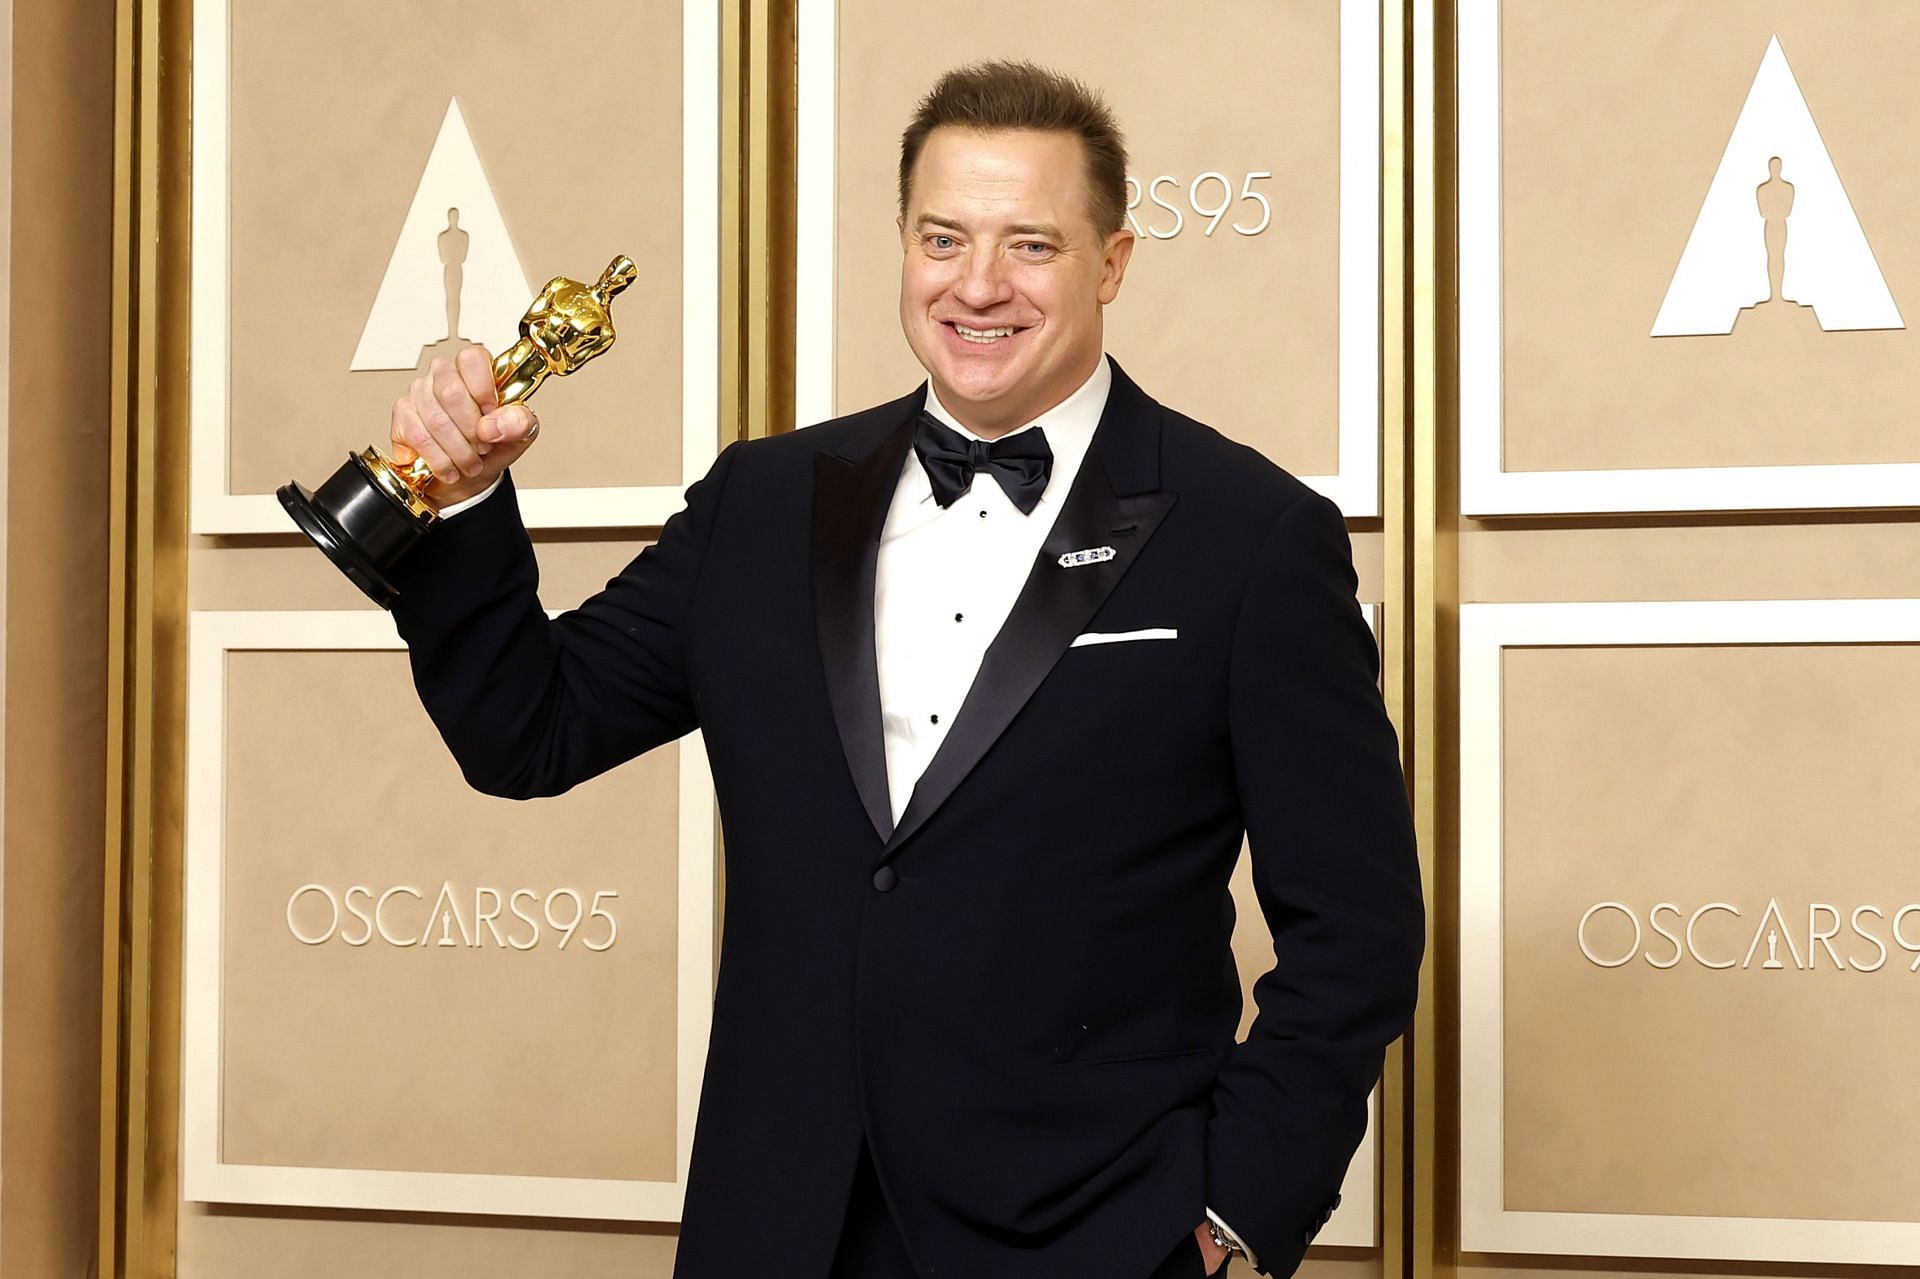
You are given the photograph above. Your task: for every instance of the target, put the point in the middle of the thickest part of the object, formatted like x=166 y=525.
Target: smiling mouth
x=982 y=337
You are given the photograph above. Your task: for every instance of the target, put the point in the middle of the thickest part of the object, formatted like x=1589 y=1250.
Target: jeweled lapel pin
x=1092 y=555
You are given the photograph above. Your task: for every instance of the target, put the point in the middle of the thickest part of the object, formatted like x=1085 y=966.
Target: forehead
x=983 y=172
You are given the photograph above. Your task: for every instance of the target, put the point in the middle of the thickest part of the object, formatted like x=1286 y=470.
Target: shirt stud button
x=934 y=718
x=885 y=878
x=959 y=617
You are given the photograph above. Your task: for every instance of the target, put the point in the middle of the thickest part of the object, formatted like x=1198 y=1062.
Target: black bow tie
x=1020 y=462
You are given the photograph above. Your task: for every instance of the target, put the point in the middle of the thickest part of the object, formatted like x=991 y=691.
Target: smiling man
x=1009 y=260
x=994 y=680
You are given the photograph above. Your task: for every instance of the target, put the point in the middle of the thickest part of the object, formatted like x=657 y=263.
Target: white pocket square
x=1117 y=637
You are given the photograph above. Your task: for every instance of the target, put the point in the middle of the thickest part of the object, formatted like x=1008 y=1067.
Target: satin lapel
x=1056 y=602
x=850 y=501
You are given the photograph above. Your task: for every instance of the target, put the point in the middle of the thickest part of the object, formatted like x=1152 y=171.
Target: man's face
x=1003 y=275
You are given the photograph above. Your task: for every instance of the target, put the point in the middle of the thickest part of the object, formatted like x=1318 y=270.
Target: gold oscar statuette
x=372 y=510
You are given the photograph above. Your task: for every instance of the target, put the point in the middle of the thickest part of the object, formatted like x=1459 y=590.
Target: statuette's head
x=1014 y=239
x=619 y=274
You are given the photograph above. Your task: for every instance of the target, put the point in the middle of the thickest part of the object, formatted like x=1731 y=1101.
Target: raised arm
x=531 y=706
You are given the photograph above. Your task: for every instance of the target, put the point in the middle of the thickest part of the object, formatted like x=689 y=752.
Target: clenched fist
x=453 y=418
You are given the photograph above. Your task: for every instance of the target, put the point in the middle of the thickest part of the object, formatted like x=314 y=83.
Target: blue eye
x=941 y=241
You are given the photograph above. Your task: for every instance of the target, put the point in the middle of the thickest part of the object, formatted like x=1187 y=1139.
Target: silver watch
x=1221 y=1239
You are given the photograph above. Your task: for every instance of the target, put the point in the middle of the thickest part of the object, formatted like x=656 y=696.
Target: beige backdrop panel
x=57 y=105
x=1616 y=116
x=224 y=1243
x=334 y=111
x=1241 y=332
x=477 y=1059
x=1693 y=775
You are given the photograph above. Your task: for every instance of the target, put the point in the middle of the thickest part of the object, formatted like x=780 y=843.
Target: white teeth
x=982 y=335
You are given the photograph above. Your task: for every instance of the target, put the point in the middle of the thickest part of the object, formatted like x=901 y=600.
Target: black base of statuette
x=362 y=528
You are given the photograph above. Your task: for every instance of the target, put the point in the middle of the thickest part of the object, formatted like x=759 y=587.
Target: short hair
x=1016 y=95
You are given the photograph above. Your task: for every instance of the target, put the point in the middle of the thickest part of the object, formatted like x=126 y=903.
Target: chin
x=977 y=396
x=983 y=379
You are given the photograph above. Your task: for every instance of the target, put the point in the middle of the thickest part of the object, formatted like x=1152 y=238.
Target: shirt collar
x=1069 y=425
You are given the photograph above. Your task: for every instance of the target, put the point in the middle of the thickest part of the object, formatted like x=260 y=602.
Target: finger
x=475 y=368
x=455 y=400
x=397 y=421
x=412 y=440
x=516 y=422
x=455 y=449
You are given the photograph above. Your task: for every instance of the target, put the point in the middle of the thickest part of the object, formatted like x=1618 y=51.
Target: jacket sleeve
x=531 y=706
x=1318 y=771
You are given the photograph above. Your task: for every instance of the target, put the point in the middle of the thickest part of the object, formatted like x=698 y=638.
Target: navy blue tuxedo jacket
x=1022 y=997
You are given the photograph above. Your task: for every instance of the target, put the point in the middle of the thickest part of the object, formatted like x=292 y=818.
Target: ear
x=900 y=225
x=1113 y=264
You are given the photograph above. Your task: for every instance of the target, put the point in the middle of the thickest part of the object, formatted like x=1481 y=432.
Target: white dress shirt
x=947 y=578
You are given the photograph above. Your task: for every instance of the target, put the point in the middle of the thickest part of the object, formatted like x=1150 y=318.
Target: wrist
x=1227 y=1239
x=451 y=499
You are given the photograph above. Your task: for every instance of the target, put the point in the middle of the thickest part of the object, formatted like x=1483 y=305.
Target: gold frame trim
x=140 y=996
x=1433 y=593
x=1399 y=639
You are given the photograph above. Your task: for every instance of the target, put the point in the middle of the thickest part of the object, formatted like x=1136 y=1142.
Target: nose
x=984 y=283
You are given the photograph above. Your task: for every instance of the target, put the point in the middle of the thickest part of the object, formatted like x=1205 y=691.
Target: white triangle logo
x=453 y=266
x=1763 y=225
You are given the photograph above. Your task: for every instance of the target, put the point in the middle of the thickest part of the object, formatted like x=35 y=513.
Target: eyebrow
x=1046 y=230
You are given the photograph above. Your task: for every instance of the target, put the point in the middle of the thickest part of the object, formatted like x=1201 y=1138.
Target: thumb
x=509 y=432
x=513 y=424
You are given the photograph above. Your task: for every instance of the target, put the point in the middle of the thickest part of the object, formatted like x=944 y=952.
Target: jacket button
x=885 y=878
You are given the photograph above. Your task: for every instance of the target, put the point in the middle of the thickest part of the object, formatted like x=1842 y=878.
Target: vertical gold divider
x=1397 y=630
x=735 y=252
x=762 y=201
x=116 y=1036
x=146 y=678
x=782 y=158
x=1434 y=593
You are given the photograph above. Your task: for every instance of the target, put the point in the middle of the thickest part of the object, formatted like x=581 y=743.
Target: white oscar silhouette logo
x=454 y=273
x=1773 y=951
x=1741 y=255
